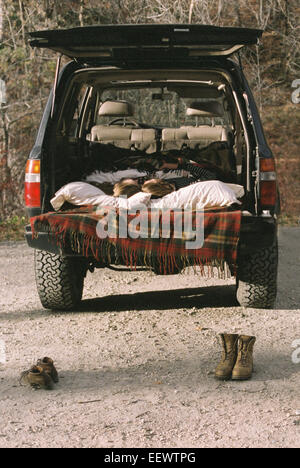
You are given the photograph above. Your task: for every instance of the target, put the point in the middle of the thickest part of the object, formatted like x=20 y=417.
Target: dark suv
x=162 y=70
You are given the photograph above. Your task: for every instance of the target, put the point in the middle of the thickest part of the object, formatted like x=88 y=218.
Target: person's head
x=126 y=187
x=157 y=187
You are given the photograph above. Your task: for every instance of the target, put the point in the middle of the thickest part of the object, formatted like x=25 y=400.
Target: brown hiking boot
x=230 y=350
x=244 y=364
x=36 y=377
x=48 y=366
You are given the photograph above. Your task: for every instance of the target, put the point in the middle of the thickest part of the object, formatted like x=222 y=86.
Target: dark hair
x=157 y=187
x=125 y=188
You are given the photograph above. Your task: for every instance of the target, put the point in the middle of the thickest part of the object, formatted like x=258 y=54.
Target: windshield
x=161 y=107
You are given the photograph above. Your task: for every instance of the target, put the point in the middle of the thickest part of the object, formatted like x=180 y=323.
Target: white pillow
x=116 y=176
x=82 y=193
x=237 y=189
x=138 y=200
x=206 y=194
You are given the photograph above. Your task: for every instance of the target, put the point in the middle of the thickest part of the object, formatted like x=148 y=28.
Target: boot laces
x=23 y=375
x=228 y=354
x=245 y=354
x=244 y=357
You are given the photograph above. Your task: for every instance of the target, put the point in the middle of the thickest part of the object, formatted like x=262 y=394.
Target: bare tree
x=191 y=10
x=5 y=176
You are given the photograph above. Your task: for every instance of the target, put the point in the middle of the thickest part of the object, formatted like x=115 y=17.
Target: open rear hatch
x=121 y=42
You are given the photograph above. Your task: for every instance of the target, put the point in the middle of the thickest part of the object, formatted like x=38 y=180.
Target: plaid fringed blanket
x=164 y=240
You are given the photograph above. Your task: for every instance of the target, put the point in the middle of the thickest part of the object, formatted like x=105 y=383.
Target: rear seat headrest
x=116 y=109
x=205 y=109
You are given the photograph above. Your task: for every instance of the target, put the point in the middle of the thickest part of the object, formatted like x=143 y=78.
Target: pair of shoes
x=47 y=365
x=237 y=357
x=41 y=375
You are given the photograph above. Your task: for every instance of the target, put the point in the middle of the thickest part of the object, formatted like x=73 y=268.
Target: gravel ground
x=136 y=363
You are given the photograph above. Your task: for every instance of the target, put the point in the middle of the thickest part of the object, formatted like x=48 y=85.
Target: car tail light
x=33 y=183
x=267 y=183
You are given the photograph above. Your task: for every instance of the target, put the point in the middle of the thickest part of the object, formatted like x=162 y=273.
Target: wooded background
x=27 y=74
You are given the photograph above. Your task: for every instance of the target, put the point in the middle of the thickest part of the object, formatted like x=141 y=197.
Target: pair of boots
x=42 y=375
x=237 y=357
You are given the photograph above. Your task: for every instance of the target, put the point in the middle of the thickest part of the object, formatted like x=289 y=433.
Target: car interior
x=148 y=112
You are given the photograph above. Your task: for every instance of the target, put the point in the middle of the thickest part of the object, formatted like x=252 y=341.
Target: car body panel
x=99 y=42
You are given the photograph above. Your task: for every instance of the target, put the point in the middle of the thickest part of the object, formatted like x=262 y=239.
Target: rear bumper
x=41 y=241
x=256 y=233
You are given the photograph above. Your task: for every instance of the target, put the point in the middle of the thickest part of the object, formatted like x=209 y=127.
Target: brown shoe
x=36 y=377
x=48 y=366
x=230 y=350
x=244 y=364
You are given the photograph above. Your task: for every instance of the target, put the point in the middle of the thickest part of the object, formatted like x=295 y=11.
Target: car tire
x=59 y=280
x=256 y=284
